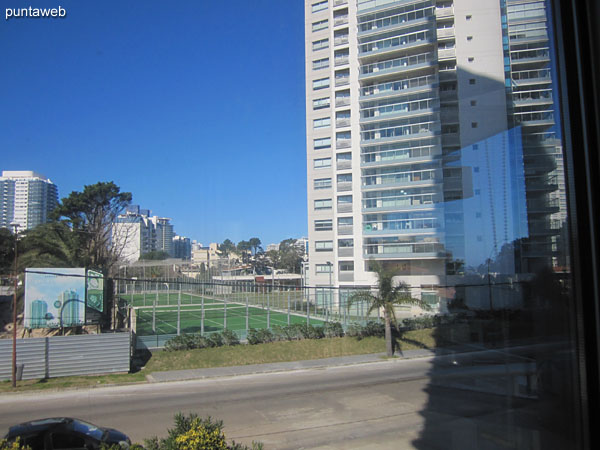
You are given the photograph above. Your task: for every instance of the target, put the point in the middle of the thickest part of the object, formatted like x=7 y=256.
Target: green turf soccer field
x=216 y=315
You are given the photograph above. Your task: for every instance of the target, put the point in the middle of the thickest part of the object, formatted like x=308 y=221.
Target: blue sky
x=195 y=107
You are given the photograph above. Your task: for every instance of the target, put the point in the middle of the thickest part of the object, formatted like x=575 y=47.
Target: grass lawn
x=233 y=356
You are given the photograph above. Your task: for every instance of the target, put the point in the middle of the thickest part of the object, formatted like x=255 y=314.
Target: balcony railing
x=342 y=123
x=446 y=53
x=340 y=20
x=341 y=81
x=345 y=164
x=346 y=230
x=445 y=32
x=405 y=62
x=444 y=12
x=340 y=2
x=341 y=40
x=404 y=202
x=402 y=250
x=346 y=251
x=343 y=143
x=344 y=207
x=345 y=101
x=394 y=86
x=391 y=156
x=383 y=179
x=341 y=61
x=345 y=186
x=346 y=276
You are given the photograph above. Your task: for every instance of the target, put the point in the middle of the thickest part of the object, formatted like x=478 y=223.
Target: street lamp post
x=14 y=340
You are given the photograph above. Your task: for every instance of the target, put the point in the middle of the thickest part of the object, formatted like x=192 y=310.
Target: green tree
x=386 y=298
x=254 y=244
x=155 y=255
x=243 y=248
x=227 y=247
x=90 y=215
x=50 y=245
x=7 y=247
x=290 y=256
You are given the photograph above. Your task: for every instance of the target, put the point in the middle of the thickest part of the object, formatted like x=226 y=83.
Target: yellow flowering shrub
x=200 y=438
x=14 y=445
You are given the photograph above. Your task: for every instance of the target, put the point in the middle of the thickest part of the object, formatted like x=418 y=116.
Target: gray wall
x=61 y=356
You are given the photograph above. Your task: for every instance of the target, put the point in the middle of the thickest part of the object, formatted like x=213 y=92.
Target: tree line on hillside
x=287 y=258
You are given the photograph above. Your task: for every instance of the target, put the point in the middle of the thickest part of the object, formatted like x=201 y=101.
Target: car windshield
x=88 y=429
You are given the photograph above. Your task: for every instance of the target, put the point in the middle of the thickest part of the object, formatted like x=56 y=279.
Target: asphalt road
x=363 y=406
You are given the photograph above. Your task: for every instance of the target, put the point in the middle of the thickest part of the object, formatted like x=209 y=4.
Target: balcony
x=446 y=53
x=441 y=13
x=339 y=2
x=345 y=230
x=346 y=251
x=543 y=206
x=420 y=202
x=450 y=139
x=395 y=44
x=404 y=251
x=342 y=81
x=340 y=123
x=346 y=186
x=344 y=207
x=395 y=65
x=340 y=20
x=344 y=164
x=344 y=101
x=448 y=75
x=445 y=33
x=346 y=276
x=398 y=87
x=341 y=40
x=343 y=143
x=401 y=178
x=342 y=61
x=394 y=157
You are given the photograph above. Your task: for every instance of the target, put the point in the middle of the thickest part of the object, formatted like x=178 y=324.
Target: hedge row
x=193 y=341
x=297 y=331
x=294 y=332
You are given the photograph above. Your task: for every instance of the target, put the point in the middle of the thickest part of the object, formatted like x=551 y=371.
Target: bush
x=261 y=336
x=13 y=445
x=333 y=329
x=355 y=330
x=230 y=338
x=373 y=328
x=216 y=340
x=313 y=332
x=253 y=337
x=194 y=433
x=181 y=342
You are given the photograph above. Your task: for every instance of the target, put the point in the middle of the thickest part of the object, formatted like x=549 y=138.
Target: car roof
x=35 y=426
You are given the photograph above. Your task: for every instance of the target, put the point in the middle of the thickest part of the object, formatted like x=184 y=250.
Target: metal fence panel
x=30 y=352
x=59 y=356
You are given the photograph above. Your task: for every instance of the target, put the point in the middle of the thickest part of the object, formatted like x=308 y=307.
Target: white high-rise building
x=430 y=139
x=137 y=233
x=26 y=198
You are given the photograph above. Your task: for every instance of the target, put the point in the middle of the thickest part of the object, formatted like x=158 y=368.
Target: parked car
x=65 y=433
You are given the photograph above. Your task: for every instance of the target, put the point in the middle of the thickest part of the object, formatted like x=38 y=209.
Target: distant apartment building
x=26 y=198
x=182 y=247
x=205 y=255
x=137 y=233
x=431 y=140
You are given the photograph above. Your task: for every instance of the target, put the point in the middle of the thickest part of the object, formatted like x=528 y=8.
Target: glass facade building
x=26 y=198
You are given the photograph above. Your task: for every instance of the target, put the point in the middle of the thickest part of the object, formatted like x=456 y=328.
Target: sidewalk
x=195 y=374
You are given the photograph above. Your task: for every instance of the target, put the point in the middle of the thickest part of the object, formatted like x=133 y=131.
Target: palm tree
x=386 y=298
